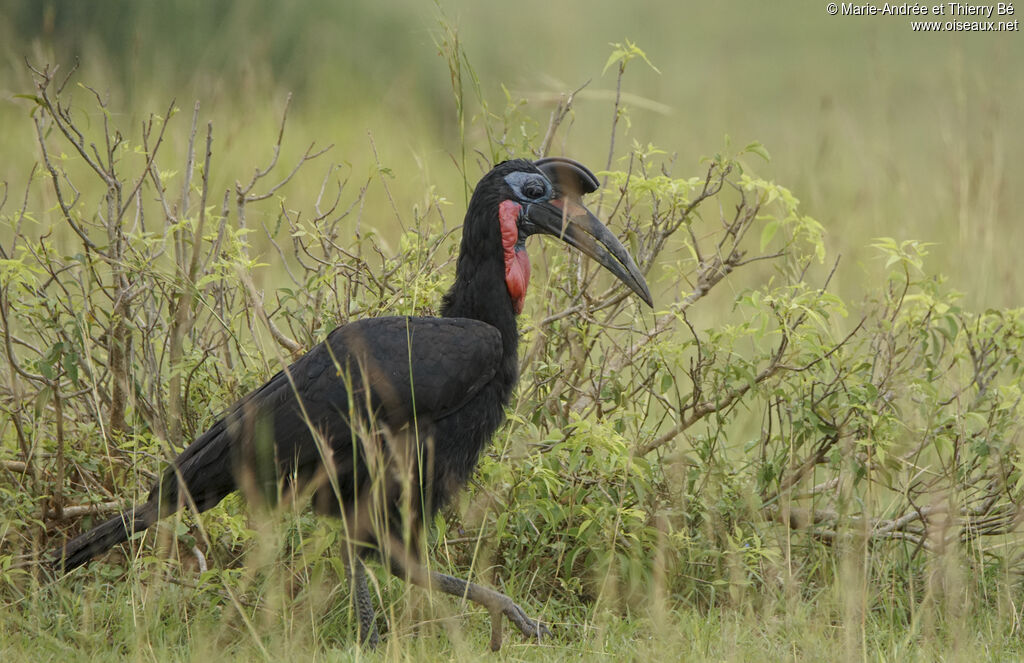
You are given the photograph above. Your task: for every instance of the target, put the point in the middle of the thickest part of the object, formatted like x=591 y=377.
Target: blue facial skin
x=532 y=187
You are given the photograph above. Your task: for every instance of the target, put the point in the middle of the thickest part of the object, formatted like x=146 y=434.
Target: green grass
x=146 y=618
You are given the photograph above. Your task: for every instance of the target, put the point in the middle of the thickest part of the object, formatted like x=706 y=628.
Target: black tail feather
x=199 y=477
x=103 y=537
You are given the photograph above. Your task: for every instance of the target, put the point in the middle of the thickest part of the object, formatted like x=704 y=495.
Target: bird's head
x=545 y=197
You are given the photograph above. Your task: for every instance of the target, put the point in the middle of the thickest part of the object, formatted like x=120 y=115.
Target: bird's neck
x=481 y=290
x=480 y=293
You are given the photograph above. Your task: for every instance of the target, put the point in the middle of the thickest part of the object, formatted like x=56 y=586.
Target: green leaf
x=757 y=148
x=624 y=53
x=70 y=362
x=616 y=55
x=30 y=97
x=41 y=400
x=768 y=232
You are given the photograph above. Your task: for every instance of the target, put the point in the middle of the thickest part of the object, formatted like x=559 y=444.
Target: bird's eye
x=534 y=189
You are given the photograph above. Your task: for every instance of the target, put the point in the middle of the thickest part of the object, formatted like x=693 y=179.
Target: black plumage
x=385 y=420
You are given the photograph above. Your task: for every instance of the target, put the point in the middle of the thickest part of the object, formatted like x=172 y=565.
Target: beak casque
x=566 y=218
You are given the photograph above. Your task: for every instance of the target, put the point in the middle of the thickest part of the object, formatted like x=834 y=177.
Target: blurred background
x=877 y=129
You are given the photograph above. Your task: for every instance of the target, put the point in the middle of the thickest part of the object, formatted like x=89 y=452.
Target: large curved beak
x=570 y=221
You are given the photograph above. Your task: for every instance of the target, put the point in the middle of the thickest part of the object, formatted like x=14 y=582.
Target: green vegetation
x=794 y=457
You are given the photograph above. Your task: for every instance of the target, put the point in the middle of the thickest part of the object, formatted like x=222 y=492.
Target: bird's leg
x=496 y=603
x=363 y=604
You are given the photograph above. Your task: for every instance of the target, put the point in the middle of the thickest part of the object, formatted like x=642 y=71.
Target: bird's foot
x=531 y=628
x=497 y=604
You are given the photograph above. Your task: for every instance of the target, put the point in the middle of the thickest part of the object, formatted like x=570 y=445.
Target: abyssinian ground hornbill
x=384 y=420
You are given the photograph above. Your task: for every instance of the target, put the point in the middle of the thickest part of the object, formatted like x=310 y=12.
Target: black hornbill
x=384 y=420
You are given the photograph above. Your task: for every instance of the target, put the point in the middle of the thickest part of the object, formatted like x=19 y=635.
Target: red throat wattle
x=517 y=263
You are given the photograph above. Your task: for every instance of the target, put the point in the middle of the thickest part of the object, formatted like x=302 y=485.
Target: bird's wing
x=426 y=367
x=401 y=369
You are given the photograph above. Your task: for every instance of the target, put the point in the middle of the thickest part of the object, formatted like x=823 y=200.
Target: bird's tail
x=118 y=529
x=200 y=477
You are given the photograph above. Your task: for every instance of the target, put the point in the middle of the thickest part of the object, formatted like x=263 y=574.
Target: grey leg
x=363 y=604
x=496 y=603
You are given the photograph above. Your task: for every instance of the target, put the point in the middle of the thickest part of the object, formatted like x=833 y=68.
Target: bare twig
x=558 y=115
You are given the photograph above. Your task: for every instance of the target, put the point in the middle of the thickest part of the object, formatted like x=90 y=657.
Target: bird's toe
x=531 y=628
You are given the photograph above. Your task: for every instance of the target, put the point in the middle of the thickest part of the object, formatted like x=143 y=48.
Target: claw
x=531 y=628
x=497 y=604
x=496 y=624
